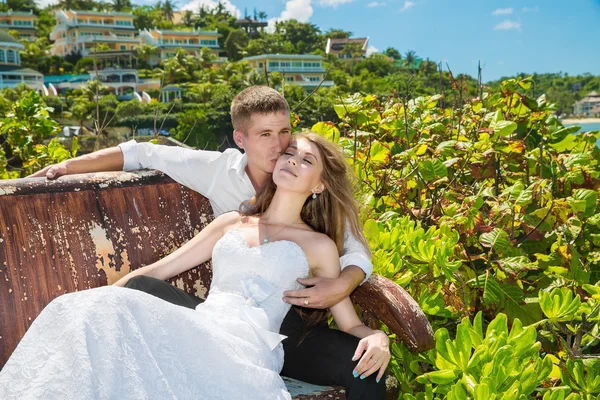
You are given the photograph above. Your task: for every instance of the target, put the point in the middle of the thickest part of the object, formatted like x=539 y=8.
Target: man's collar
x=240 y=165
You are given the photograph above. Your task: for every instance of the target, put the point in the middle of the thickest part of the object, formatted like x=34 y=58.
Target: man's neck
x=257 y=177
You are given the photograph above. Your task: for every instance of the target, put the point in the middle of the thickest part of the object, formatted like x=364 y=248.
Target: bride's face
x=299 y=168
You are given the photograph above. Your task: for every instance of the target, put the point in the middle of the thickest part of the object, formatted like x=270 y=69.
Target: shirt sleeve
x=356 y=254
x=196 y=169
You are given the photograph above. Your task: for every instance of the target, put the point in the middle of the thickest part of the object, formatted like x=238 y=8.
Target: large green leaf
x=560 y=134
x=379 y=152
x=327 y=129
x=560 y=305
x=517 y=264
x=432 y=170
x=497 y=239
x=567 y=144
x=503 y=128
x=590 y=197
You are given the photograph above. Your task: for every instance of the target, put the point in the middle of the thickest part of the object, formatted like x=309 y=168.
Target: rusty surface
x=70 y=239
x=306 y=391
x=391 y=304
x=86 y=231
x=70 y=183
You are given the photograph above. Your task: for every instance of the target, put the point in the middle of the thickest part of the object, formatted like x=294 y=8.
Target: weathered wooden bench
x=86 y=231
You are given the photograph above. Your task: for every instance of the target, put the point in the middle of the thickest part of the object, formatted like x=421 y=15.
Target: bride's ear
x=320 y=188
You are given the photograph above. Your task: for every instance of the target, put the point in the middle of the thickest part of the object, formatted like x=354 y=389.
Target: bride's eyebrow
x=294 y=147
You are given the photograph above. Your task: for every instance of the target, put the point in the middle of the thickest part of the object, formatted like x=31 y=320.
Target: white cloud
x=503 y=11
x=372 y=49
x=333 y=3
x=195 y=5
x=407 y=4
x=300 y=10
x=376 y=4
x=508 y=25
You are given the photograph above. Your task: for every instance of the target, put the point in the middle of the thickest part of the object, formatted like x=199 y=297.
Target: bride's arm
x=194 y=252
x=374 y=343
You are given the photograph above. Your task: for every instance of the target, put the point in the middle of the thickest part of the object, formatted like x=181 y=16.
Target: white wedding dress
x=119 y=343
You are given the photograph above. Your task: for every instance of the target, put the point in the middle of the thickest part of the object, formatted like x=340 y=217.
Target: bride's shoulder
x=318 y=244
x=229 y=220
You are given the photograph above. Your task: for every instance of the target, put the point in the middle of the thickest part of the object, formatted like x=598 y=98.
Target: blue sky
x=507 y=36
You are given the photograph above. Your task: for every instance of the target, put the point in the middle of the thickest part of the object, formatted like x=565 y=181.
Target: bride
x=117 y=343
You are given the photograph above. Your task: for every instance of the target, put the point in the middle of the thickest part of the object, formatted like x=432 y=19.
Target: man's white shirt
x=222 y=179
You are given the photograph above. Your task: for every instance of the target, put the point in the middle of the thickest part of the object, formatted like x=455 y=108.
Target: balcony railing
x=305 y=83
x=295 y=69
x=102 y=24
x=194 y=45
x=4 y=24
x=101 y=38
x=15 y=82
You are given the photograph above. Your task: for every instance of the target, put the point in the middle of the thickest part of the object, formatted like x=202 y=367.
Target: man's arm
x=195 y=169
x=326 y=292
x=110 y=159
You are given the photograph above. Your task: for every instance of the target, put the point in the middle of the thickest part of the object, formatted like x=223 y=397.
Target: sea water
x=587 y=127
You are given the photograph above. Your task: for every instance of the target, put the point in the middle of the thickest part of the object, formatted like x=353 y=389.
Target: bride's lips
x=288 y=171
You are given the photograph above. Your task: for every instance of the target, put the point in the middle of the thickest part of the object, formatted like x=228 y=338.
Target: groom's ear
x=238 y=138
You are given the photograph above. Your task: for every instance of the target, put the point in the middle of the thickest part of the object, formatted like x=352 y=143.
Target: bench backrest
x=81 y=232
x=86 y=231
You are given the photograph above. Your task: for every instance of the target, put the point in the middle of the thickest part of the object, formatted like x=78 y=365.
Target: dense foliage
x=378 y=74
x=25 y=125
x=479 y=201
x=487 y=213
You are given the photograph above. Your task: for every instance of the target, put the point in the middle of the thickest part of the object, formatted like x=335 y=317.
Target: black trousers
x=322 y=356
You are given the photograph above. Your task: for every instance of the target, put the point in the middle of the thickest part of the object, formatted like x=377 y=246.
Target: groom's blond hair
x=256 y=100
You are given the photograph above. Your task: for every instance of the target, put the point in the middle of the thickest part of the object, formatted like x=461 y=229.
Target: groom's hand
x=51 y=171
x=324 y=292
x=320 y=292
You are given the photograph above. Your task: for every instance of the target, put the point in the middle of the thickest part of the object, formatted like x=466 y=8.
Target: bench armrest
x=393 y=306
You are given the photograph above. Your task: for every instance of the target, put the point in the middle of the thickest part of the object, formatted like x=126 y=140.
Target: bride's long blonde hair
x=333 y=208
x=330 y=213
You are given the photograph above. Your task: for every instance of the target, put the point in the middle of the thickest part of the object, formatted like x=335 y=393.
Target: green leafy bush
x=485 y=212
x=23 y=130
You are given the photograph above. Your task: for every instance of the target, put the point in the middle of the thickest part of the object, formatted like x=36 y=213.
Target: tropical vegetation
x=478 y=201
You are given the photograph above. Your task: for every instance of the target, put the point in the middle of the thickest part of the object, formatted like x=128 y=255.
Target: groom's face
x=266 y=137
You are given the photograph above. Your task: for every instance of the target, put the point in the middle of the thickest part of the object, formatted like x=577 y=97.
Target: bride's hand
x=376 y=348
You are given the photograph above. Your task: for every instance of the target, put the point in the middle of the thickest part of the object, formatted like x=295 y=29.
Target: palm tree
x=99 y=47
x=174 y=71
x=410 y=58
x=206 y=57
x=188 y=18
x=219 y=9
x=255 y=78
x=121 y=5
x=262 y=15
x=146 y=51
x=168 y=8
x=66 y=4
x=428 y=67
x=34 y=52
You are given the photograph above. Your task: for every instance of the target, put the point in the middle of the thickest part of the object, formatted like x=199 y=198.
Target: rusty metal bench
x=86 y=231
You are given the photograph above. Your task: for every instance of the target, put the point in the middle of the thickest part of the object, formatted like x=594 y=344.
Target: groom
x=261 y=121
